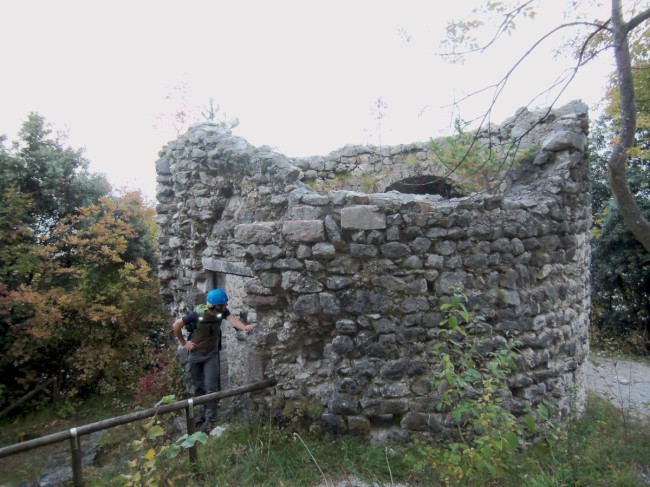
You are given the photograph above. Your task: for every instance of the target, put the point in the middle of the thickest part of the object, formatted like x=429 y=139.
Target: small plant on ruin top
x=476 y=164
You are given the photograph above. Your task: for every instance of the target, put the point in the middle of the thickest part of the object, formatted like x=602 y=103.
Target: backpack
x=200 y=310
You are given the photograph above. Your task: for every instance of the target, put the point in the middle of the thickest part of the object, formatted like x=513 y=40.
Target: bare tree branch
x=508 y=17
x=635 y=21
x=617 y=163
x=500 y=86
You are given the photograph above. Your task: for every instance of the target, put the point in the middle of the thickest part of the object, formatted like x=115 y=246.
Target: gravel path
x=624 y=383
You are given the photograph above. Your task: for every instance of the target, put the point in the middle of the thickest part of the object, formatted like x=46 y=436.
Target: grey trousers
x=205 y=379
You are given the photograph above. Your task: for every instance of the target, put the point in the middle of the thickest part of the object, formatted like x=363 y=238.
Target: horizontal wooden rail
x=74 y=433
x=29 y=395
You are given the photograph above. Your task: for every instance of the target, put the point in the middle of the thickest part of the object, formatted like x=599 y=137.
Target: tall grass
x=606 y=447
x=599 y=449
x=270 y=456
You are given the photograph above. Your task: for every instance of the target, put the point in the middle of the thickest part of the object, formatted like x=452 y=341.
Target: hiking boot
x=207 y=426
x=209 y=421
x=199 y=420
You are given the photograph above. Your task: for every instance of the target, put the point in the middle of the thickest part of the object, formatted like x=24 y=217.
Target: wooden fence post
x=190 y=430
x=75 y=448
x=55 y=391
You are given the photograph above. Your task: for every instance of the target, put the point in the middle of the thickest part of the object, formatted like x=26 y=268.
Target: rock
x=60 y=470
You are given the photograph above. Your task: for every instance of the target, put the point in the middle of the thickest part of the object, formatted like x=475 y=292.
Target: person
x=203 y=345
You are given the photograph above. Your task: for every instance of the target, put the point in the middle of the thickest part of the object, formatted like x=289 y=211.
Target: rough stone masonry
x=346 y=285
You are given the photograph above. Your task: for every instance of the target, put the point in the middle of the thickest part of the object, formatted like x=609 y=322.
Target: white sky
x=301 y=75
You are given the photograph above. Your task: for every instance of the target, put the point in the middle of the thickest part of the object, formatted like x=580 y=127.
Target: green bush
x=473 y=388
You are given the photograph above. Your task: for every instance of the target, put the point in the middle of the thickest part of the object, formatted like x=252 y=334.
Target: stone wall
x=346 y=286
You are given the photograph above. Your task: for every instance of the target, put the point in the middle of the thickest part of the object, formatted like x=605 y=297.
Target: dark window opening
x=425 y=185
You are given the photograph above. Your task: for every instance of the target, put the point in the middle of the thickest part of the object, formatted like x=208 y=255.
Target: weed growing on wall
x=340 y=181
x=411 y=160
x=473 y=387
x=368 y=183
x=477 y=166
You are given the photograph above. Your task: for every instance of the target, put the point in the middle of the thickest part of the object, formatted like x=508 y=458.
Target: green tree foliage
x=621 y=280
x=55 y=177
x=19 y=256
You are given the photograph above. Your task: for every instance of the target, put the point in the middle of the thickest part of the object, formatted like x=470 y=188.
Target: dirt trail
x=624 y=383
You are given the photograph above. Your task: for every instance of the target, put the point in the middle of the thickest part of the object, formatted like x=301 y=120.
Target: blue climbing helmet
x=217 y=297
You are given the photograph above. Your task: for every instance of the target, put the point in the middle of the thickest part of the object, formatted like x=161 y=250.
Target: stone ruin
x=344 y=276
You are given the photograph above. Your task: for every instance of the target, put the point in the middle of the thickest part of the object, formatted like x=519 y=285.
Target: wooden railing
x=55 y=392
x=74 y=434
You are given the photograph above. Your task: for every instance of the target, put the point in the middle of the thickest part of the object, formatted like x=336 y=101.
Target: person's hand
x=249 y=328
x=189 y=345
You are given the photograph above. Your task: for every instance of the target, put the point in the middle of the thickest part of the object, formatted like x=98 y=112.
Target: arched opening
x=425 y=185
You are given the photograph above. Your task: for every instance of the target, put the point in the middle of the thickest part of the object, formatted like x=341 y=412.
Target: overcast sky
x=301 y=76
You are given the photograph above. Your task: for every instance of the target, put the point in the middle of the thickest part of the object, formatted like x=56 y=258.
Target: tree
x=55 y=177
x=592 y=38
x=180 y=114
x=620 y=281
x=20 y=257
x=620 y=264
x=617 y=163
x=211 y=111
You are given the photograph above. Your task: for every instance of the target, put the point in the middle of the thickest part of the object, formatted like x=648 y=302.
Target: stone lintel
x=226 y=267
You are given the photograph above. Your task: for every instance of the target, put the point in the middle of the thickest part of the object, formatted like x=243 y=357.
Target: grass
x=617 y=356
x=255 y=454
x=269 y=456
x=600 y=449
x=633 y=345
